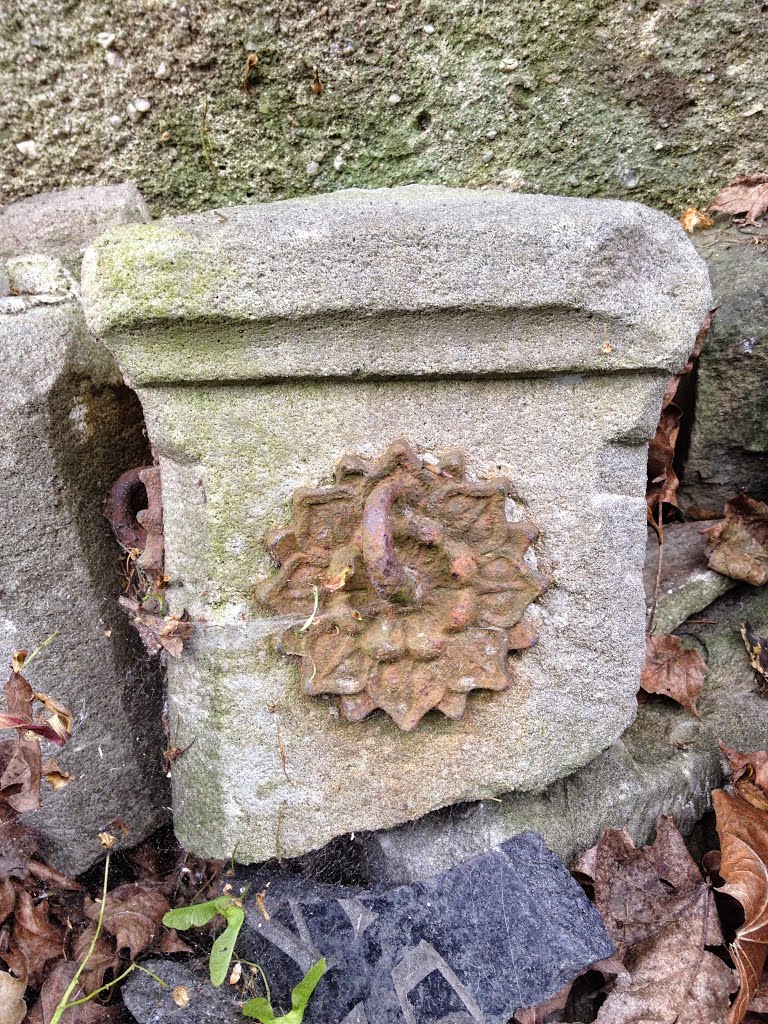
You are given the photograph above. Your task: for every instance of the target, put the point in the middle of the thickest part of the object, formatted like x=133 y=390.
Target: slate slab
x=277 y=342
x=502 y=931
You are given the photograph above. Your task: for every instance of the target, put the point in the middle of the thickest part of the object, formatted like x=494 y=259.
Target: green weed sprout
x=199 y=914
x=261 y=1009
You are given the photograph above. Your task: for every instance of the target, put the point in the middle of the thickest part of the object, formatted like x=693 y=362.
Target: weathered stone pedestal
x=430 y=408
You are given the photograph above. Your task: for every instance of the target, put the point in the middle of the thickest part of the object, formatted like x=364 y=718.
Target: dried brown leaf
x=53 y=879
x=673 y=671
x=743 y=831
x=157 y=632
x=104 y=958
x=56 y=777
x=749 y=775
x=134 y=915
x=12 y=1006
x=737 y=546
x=745 y=198
x=757 y=649
x=34 y=936
x=692 y=219
x=20 y=774
x=54 y=987
x=663 y=482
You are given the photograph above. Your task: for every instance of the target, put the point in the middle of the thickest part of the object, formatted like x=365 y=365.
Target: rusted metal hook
x=143 y=530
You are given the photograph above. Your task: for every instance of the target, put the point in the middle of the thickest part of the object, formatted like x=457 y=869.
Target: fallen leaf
x=743 y=831
x=34 y=936
x=737 y=546
x=55 y=776
x=673 y=671
x=17 y=844
x=749 y=775
x=180 y=995
x=13 y=1009
x=54 y=987
x=745 y=199
x=104 y=958
x=693 y=219
x=61 y=717
x=660 y=912
x=158 y=632
x=134 y=915
x=53 y=879
x=757 y=649
x=20 y=774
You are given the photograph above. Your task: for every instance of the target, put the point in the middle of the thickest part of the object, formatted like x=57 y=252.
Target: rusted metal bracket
x=142 y=530
x=415 y=583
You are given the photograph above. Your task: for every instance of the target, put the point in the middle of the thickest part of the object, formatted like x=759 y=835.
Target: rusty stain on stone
x=142 y=530
x=420 y=581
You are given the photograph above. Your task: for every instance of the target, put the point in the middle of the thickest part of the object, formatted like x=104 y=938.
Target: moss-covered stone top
x=416 y=280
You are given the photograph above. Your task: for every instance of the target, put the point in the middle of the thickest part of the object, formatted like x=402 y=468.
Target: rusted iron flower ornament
x=418 y=584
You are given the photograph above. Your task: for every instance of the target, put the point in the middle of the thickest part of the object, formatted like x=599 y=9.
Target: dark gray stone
x=150 y=1003
x=503 y=931
x=729 y=444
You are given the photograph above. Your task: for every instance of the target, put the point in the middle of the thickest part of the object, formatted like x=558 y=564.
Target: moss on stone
x=580 y=97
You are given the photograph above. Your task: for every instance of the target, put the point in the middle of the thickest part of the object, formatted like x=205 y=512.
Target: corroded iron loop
x=385 y=571
x=142 y=530
x=118 y=509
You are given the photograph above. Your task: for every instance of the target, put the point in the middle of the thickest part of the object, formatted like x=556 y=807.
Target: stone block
x=70 y=425
x=729 y=442
x=63 y=223
x=273 y=343
x=665 y=763
x=505 y=931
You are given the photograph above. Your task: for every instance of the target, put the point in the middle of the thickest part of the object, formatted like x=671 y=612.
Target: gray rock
x=503 y=931
x=665 y=763
x=729 y=444
x=687 y=583
x=268 y=342
x=70 y=426
x=150 y=1003
x=63 y=223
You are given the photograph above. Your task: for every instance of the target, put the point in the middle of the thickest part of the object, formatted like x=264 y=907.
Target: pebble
x=488 y=156
x=509 y=64
x=105 y=39
x=491 y=133
x=115 y=59
x=629 y=177
x=338 y=162
x=162 y=70
x=137 y=109
x=116 y=121
x=313 y=168
x=28 y=149
x=429 y=29
x=394 y=99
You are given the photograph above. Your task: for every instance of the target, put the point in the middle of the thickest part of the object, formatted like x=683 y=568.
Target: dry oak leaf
x=757 y=649
x=743 y=831
x=749 y=775
x=745 y=198
x=34 y=936
x=54 y=987
x=660 y=912
x=692 y=219
x=133 y=914
x=673 y=671
x=737 y=546
x=13 y=1009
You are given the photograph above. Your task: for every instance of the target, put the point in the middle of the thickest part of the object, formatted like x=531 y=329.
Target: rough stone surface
x=729 y=443
x=687 y=583
x=665 y=763
x=70 y=426
x=655 y=101
x=150 y=1003
x=504 y=931
x=365 y=293
x=63 y=223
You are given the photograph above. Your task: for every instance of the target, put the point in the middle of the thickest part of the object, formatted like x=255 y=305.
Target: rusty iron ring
x=118 y=510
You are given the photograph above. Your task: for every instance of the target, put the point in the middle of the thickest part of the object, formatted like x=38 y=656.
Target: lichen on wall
x=658 y=101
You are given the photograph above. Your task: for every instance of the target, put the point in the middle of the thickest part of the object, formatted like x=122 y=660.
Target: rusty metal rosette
x=413 y=583
x=142 y=530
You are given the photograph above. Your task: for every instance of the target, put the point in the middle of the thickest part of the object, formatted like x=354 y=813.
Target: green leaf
x=224 y=946
x=303 y=991
x=197 y=915
x=261 y=1009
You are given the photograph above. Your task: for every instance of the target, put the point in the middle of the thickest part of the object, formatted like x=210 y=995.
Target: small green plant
x=261 y=1009
x=199 y=914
